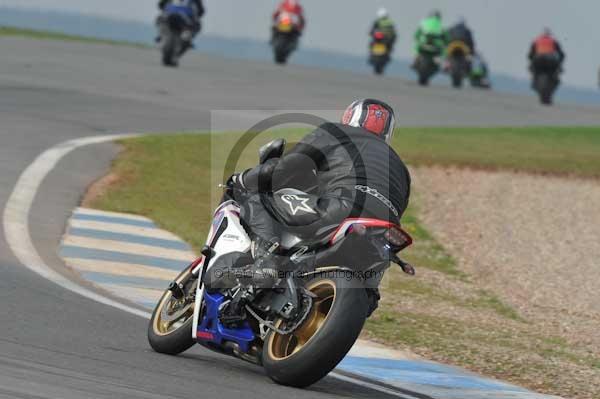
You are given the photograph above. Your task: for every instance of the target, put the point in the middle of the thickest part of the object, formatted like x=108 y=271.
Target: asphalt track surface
x=57 y=344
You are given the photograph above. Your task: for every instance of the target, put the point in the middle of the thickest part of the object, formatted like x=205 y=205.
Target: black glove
x=235 y=182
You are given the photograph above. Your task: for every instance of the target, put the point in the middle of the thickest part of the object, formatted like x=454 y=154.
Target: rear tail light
x=379 y=35
x=398 y=237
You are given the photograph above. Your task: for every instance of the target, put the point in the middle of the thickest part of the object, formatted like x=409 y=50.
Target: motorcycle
x=427 y=63
x=380 y=52
x=176 y=26
x=285 y=37
x=458 y=62
x=546 y=70
x=298 y=329
x=479 y=73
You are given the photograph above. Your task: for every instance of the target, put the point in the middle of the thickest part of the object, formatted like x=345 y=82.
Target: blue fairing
x=184 y=10
x=210 y=328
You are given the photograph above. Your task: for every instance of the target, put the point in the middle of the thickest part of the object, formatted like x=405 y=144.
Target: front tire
x=321 y=342
x=170 y=327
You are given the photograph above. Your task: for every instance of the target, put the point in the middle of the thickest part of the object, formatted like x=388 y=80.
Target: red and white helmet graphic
x=373 y=115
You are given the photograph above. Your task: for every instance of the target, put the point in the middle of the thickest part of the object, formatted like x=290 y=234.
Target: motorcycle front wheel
x=334 y=323
x=170 y=327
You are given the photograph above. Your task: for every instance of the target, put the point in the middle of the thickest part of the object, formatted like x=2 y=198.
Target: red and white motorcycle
x=300 y=328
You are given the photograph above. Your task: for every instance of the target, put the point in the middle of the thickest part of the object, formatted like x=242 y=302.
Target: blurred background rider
x=546 y=53
x=193 y=8
x=461 y=32
x=430 y=36
x=295 y=11
x=385 y=25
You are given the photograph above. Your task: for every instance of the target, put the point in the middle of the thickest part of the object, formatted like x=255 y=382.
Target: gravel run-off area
x=532 y=240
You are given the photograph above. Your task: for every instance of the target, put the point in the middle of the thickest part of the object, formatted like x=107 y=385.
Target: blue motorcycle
x=177 y=26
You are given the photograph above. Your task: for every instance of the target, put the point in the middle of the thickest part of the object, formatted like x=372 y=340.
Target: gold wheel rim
x=284 y=346
x=172 y=313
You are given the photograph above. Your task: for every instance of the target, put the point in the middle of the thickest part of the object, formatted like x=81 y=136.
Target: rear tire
x=169 y=51
x=545 y=89
x=457 y=81
x=172 y=341
x=280 y=58
x=321 y=342
x=282 y=48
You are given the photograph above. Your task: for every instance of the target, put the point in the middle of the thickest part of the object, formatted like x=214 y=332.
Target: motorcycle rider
x=546 y=53
x=197 y=10
x=384 y=24
x=431 y=32
x=294 y=8
x=461 y=32
x=345 y=169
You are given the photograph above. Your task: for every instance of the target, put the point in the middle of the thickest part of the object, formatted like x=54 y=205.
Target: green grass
x=553 y=150
x=425 y=249
x=50 y=35
x=487 y=300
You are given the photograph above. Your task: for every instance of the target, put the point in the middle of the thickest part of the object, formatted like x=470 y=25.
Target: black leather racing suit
x=462 y=33
x=345 y=171
x=342 y=172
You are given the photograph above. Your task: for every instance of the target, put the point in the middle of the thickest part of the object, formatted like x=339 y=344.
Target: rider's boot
x=262 y=274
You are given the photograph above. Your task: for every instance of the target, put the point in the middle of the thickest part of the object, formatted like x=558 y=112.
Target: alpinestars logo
x=297 y=203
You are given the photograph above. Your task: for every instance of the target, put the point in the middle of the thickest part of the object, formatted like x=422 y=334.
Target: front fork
x=200 y=270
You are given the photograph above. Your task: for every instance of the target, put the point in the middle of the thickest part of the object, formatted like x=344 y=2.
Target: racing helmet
x=372 y=115
x=382 y=13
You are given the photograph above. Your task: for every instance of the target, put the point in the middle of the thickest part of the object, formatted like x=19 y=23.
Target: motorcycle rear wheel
x=545 y=89
x=280 y=57
x=170 y=50
x=378 y=68
x=457 y=80
x=309 y=353
x=170 y=327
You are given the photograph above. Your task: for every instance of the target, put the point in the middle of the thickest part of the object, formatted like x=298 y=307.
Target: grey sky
x=503 y=28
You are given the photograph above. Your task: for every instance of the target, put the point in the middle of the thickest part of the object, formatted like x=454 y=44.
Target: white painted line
x=130 y=248
x=134 y=294
x=95 y=212
x=363 y=348
x=16 y=220
x=120 y=269
x=123 y=228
